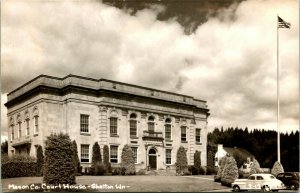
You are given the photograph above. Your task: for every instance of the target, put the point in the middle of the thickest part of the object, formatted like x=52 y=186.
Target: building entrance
x=152 y=159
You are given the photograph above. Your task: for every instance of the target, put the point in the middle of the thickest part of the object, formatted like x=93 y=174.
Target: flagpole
x=278 y=94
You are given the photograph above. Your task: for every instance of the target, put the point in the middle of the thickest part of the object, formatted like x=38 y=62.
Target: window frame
x=168 y=129
x=84 y=126
x=151 y=125
x=183 y=135
x=12 y=137
x=115 y=151
x=198 y=136
x=113 y=126
x=133 y=125
x=83 y=157
x=168 y=157
x=20 y=129
x=135 y=154
x=36 y=124
x=27 y=126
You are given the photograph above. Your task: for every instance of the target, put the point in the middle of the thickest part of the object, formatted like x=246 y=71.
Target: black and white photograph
x=149 y=95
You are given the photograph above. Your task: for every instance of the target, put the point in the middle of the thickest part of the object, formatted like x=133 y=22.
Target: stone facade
x=154 y=123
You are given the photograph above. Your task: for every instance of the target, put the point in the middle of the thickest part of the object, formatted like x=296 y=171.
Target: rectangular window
x=168 y=156
x=84 y=123
x=114 y=154
x=85 y=153
x=36 y=124
x=12 y=133
x=151 y=127
x=113 y=126
x=168 y=131
x=134 y=150
x=133 y=127
x=27 y=127
x=198 y=131
x=20 y=131
x=183 y=133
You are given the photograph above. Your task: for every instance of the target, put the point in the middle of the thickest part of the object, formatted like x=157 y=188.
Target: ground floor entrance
x=152 y=159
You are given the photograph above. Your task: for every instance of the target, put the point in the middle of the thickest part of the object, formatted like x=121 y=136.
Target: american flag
x=282 y=23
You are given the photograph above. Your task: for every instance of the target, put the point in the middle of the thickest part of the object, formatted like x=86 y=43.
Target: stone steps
x=161 y=173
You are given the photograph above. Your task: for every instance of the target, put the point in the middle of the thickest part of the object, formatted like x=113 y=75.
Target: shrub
x=106 y=163
x=59 y=167
x=181 y=160
x=210 y=170
x=277 y=168
x=116 y=171
x=254 y=167
x=230 y=172
x=127 y=161
x=99 y=169
x=39 y=160
x=193 y=170
x=239 y=158
x=18 y=166
x=96 y=157
x=76 y=158
x=222 y=163
x=141 y=172
x=197 y=162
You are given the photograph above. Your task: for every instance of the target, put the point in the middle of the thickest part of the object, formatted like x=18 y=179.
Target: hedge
x=127 y=160
x=18 y=166
x=181 y=161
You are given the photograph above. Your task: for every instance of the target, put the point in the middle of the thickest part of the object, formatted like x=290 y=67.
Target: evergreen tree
x=255 y=167
x=76 y=158
x=39 y=160
x=96 y=159
x=4 y=148
x=222 y=163
x=59 y=167
x=277 y=168
x=106 y=163
x=181 y=160
x=230 y=172
x=127 y=160
x=197 y=161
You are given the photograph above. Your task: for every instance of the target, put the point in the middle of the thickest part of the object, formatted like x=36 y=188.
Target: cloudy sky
x=220 y=51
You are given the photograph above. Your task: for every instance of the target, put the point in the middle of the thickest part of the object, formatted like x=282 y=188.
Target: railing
x=21 y=140
x=153 y=134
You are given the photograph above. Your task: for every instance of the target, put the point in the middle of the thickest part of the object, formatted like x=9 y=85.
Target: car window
x=259 y=178
x=272 y=177
x=280 y=176
x=251 y=178
x=288 y=175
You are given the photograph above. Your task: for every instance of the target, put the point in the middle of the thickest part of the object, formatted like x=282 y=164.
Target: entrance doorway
x=152 y=159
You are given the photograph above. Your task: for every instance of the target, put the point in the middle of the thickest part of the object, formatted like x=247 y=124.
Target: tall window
x=36 y=124
x=133 y=125
x=20 y=131
x=198 y=131
x=168 y=156
x=12 y=132
x=183 y=133
x=113 y=126
x=151 y=125
x=85 y=153
x=168 y=133
x=84 y=123
x=27 y=127
x=113 y=154
x=134 y=150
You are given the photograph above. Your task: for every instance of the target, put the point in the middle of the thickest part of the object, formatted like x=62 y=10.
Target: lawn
x=134 y=183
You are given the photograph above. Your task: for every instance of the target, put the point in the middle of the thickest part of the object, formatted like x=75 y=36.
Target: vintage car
x=290 y=179
x=264 y=182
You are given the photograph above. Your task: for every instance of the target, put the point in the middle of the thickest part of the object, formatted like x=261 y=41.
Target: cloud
x=230 y=60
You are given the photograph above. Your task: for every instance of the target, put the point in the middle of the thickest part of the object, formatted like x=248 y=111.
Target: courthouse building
x=154 y=123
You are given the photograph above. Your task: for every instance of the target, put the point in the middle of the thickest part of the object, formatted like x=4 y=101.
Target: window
x=113 y=126
x=198 y=131
x=168 y=156
x=133 y=125
x=151 y=125
x=84 y=123
x=85 y=153
x=168 y=133
x=251 y=178
x=259 y=178
x=134 y=150
x=183 y=133
x=20 y=131
x=27 y=127
x=114 y=154
x=36 y=124
x=12 y=132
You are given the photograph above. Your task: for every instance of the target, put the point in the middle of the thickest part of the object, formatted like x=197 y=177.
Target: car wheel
x=266 y=188
x=293 y=187
x=236 y=188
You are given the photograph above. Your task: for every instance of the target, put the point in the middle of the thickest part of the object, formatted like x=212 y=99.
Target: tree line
x=260 y=143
